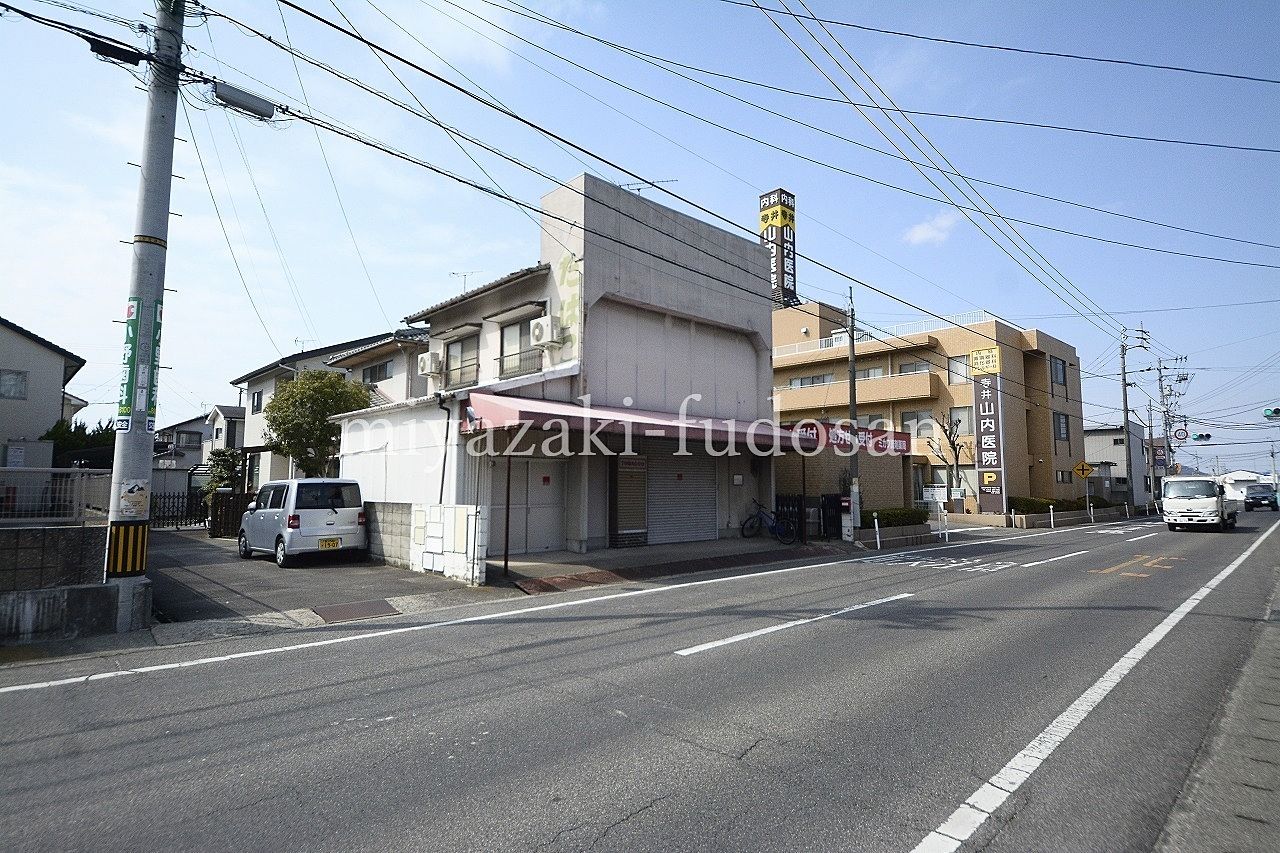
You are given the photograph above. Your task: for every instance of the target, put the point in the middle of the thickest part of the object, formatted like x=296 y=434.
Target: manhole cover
x=355 y=610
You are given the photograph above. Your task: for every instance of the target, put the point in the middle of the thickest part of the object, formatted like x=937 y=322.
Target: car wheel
x=283 y=560
x=1173 y=527
x=1248 y=508
x=242 y=546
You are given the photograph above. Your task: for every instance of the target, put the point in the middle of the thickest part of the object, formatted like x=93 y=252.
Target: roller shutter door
x=681 y=495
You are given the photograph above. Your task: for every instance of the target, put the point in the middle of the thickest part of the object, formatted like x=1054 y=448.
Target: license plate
x=330 y=544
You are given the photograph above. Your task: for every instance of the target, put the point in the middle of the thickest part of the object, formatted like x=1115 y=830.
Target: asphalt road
x=752 y=711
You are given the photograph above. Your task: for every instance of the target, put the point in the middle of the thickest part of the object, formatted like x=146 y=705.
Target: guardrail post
x=1051 y=523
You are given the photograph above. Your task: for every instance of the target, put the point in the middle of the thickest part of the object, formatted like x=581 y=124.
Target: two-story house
x=1126 y=454
x=179 y=448
x=224 y=427
x=34 y=373
x=257 y=388
x=558 y=394
x=388 y=367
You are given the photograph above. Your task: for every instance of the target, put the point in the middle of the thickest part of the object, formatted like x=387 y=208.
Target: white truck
x=1196 y=500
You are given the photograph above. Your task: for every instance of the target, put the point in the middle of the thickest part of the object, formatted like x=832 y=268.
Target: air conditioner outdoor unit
x=544 y=332
x=429 y=364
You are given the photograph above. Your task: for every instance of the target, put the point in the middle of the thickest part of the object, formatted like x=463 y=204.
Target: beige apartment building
x=912 y=378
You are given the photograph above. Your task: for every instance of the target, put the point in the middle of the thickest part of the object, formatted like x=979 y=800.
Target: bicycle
x=782 y=528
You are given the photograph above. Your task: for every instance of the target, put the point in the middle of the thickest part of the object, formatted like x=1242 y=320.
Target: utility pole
x=1275 y=484
x=129 y=519
x=1124 y=405
x=1151 y=449
x=855 y=488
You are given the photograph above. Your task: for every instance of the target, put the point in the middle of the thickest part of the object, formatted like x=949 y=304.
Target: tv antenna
x=463 y=275
x=639 y=186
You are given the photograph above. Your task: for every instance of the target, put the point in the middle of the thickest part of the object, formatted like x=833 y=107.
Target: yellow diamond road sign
x=1083 y=470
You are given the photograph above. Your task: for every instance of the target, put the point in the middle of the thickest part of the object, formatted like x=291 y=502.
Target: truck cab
x=1197 y=501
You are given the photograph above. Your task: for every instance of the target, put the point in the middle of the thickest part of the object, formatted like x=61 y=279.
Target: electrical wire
x=1023 y=50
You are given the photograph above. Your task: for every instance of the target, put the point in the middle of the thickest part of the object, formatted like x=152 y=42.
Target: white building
x=34 y=374
x=640 y=311
x=224 y=427
x=258 y=386
x=1129 y=471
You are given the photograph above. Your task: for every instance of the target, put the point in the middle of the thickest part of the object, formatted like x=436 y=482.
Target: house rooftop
x=398 y=336
x=73 y=361
x=229 y=413
x=332 y=349
x=510 y=278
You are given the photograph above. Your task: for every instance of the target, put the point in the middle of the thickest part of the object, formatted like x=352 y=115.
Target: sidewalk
x=1231 y=801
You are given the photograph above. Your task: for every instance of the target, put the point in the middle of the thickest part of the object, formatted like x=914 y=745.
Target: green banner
x=129 y=378
x=152 y=393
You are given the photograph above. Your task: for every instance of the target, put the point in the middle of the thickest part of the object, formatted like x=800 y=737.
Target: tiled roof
x=510 y=278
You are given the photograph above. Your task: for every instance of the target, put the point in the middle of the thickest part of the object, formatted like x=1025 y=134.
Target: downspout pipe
x=444 y=453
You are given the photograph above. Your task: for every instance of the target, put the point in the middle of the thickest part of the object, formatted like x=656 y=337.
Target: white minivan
x=291 y=517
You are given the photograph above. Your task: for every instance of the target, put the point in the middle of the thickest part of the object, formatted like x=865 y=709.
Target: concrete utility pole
x=1151 y=449
x=1124 y=404
x=129 y=519
x=855 y=488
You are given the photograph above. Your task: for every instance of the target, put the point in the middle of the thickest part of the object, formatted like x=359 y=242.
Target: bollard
x=946 y=523
x=1126 y=511
x=875 y=519
x=1091 y=519
x=1051 y=525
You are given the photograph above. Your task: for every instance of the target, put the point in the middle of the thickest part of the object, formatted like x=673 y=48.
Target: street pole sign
x=988 y=411
x=1083 y=470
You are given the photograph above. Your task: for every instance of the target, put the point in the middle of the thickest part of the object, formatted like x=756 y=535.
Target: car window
x=1190 y=489
x=277 y=497
x=1259 y=490
x=264 y=495
x=328 y=496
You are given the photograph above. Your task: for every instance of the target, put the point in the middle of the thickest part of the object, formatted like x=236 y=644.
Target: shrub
x=896 y=517
x=1037 y=506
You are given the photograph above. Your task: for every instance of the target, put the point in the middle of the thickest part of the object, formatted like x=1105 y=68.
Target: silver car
x=291 y=517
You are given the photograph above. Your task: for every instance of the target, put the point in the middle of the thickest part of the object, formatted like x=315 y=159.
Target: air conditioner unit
x=429 y=364
x=544 y=332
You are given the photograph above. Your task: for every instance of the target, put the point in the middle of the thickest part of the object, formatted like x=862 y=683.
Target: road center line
x=971 y=814
x=1144 y=536
x=715 y=644
x=1053 y=559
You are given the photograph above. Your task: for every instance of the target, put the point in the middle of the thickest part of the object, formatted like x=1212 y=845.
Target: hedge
x=896 y=517
x=1037 y=506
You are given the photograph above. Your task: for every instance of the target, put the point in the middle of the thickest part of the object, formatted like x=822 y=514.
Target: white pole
x=1051 y=524
x=875 y=519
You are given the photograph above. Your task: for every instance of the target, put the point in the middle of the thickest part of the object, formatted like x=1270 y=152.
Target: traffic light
x=1200 y=436
x=1271 y=414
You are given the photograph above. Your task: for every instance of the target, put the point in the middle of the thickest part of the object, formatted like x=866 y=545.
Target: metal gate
x=682 y=495
x=177 y=509
x=225 y=511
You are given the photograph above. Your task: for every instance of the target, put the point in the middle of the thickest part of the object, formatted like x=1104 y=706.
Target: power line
x=1023 y=50
x=337 y=194
x=663 y=63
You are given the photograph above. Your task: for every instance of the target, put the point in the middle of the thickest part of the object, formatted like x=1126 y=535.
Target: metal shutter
x=681 y=494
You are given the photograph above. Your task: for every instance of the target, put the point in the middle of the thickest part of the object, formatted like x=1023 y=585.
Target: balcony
x=519 y=363
x=883 y=389
x=461 y=376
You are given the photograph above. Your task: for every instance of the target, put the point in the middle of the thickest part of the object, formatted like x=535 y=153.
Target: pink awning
x=493 y=411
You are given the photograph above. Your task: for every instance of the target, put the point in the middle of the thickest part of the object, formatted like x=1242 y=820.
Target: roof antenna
x=463 y=275
x=639 y=186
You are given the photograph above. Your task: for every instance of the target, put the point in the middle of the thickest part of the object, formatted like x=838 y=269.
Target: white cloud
x=934 y=230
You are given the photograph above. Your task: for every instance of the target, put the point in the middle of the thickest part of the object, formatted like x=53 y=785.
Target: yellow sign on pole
x=1083 y=470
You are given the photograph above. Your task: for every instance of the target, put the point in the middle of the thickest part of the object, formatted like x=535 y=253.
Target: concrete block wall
x=47 y=557
x=389 y=532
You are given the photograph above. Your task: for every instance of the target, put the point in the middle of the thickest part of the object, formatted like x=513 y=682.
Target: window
x=276 y=500
x=13 y=384
x=264 y=497
x=873 y=422
x=1058 y=370
x=254 y=465
x=462 y=362
x=1061 y=427
x=255 y=402
x=376 y=373
x=189 y=439
x=919 y=424
x=518 y=355
x=328 y=496
x=217 y=432
x=869 y=373
x=958 y=370
x=806 y=381
x=1122 y=481
x=963 y=414
x=1117 y=441
x=1065 y=476
x=914 y=367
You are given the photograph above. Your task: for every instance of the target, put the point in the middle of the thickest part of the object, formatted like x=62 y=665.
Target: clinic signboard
x=988 y=428
x=778 y=234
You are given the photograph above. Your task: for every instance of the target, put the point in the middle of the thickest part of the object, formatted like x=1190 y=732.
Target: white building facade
x=1129 y=470
x=639 y=324
x=34 y=373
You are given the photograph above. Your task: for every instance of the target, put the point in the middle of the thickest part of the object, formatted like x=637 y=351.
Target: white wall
x=30 y=418
x=396 y=456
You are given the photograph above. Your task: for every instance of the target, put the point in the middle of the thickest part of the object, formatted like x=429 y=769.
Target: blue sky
x=67 y=193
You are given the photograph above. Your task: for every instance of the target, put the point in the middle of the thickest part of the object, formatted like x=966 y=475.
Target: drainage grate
x=355 y=610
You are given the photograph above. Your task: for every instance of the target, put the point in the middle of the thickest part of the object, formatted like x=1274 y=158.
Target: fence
x=177 y=509
x=225 y=511
x=35 y=496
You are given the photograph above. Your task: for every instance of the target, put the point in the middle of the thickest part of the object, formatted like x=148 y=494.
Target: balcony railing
x=459 y=376
x=519 y=363
x=890 y=333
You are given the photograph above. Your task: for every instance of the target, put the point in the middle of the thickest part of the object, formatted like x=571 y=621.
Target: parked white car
x=291 y=517
x=1194 y=501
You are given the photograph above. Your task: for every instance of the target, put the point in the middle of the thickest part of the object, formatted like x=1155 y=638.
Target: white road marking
x=390 y=632
x=737 y=638
x=966 y=819
x=1053 y=559
x=1147 y=536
